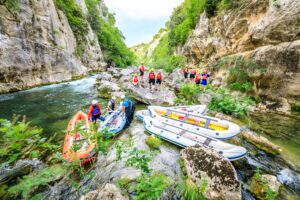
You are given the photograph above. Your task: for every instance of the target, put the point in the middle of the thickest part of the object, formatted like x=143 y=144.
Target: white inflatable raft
x=202 y=125
x=196 y=109
x=114 y=123
x=185 y=138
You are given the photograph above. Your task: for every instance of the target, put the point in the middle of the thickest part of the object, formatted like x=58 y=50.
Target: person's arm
x=108 y=107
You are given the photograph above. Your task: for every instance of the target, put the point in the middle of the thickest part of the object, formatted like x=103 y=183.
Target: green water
x=51 y=107
x=280 y=129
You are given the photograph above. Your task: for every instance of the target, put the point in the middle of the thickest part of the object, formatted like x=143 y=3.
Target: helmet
x=113 y=98
x=94 y=102
x=123 y=96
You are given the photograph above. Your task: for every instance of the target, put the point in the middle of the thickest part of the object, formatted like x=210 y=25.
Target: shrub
x=13 y=5
x=153 y=142
x=190 y=191
x=188 y=94
x=140 y=159
x=150 y=187
x=38 y=179
x=243 y=87
x=211 y=6
x=18 y=139
x=224 y=102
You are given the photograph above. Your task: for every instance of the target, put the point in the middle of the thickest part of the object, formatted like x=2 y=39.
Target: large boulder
x=109 y=192
x=163 y=97
x=105 y=88
x=263 y=185
x=175 y=79
x=203 y=163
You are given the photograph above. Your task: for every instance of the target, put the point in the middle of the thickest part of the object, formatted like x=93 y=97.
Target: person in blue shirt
x=128 y=109
x=204 y=78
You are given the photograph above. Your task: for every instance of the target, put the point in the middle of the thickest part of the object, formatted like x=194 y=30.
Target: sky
x=140 y=20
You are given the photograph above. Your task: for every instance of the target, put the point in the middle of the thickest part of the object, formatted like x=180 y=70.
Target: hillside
x=55 y=40
x=250 y=46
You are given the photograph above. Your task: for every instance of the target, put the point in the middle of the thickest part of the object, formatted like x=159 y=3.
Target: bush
x=225 y=103
x=140 y=159
x=13 y=5
x=211 y=6
x=150 y=187
x=188 y=94
x=19 y=139
x=190 y=191
x=38 y=179
x=243 y=87
x=153 y=142
x=77 y=21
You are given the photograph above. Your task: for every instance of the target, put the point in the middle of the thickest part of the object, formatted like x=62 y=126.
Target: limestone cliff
x=38 y=46
x=266 y=32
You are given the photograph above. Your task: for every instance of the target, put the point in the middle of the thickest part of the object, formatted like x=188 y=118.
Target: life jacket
x=142 y=68
x=193 y=72
x=94 y=110
x=197 y=78
x=151 y=75
x=135 y=79
x=112 y=104
x=159 y=76
x=205 y=76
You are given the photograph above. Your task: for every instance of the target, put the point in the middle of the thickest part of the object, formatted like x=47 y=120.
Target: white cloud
x=142 y=9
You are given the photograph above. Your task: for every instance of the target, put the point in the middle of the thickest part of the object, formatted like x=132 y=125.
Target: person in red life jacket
x=204 y=78
x=136 y=80
x=142 y=70
x=193 y=73
x=185 y=72
x=158 y=80
x=197 y=79
x=151 y=79
x=95 y=112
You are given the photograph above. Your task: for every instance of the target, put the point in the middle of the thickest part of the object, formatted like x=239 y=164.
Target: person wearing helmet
x=151 y=79
x=185 y=72
x=95 y=112
x=111 y=105
x=128 y=109
x=136 y=80
x=142 y=70
x=159 y=78
x=204 y=78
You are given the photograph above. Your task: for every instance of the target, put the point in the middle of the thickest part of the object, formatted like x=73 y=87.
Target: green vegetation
x=153 y=142
x=77 y=21
x=110 y=38
x=124 y=183
x=295 y=109
x=150 y=187
x=36 y=180
x=260 y=188
x=190 y=191
x=188 y=94
x=140 y=159
x=12 y=5
x=222 y=101
x=19 y=140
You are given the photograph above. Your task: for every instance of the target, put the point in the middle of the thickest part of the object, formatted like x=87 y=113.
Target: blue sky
x=140 y=20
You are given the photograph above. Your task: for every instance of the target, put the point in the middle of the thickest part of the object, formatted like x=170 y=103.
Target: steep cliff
x=254 y=44
x=50 y=41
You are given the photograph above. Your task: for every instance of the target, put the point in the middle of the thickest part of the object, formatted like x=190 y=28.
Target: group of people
x=154 y=78
x=128 y=109
x=198 y=78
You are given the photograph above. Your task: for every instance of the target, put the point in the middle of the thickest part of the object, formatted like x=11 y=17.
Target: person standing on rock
x=158 y=80
x=193 y=73
x=185 y=72
x=142 y=71
x=136 y=80
x=128 y=109
x=198 y=79
x=95 y=112
x=111 y=105
x=151 y=79
x=204 y=79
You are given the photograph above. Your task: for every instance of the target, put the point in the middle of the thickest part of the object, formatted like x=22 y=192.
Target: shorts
x=203 y=82
x=158 y=82
x=152 y=81
x=192 y=76
x=197 y=83
x=141 y=73
x=185 y=75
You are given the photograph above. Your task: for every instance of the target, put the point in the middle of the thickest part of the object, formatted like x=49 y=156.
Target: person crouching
x=136 y=80
x=95 y=112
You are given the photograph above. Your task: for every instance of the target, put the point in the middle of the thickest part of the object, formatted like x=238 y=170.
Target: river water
x=51 y=107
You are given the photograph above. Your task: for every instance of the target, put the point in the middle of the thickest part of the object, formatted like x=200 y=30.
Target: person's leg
x=132 y=112
x=127 y=115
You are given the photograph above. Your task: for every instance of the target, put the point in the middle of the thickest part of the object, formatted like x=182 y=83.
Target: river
x=51 y=107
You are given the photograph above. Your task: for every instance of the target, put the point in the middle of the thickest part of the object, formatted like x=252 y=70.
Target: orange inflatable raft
x=76 y=146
